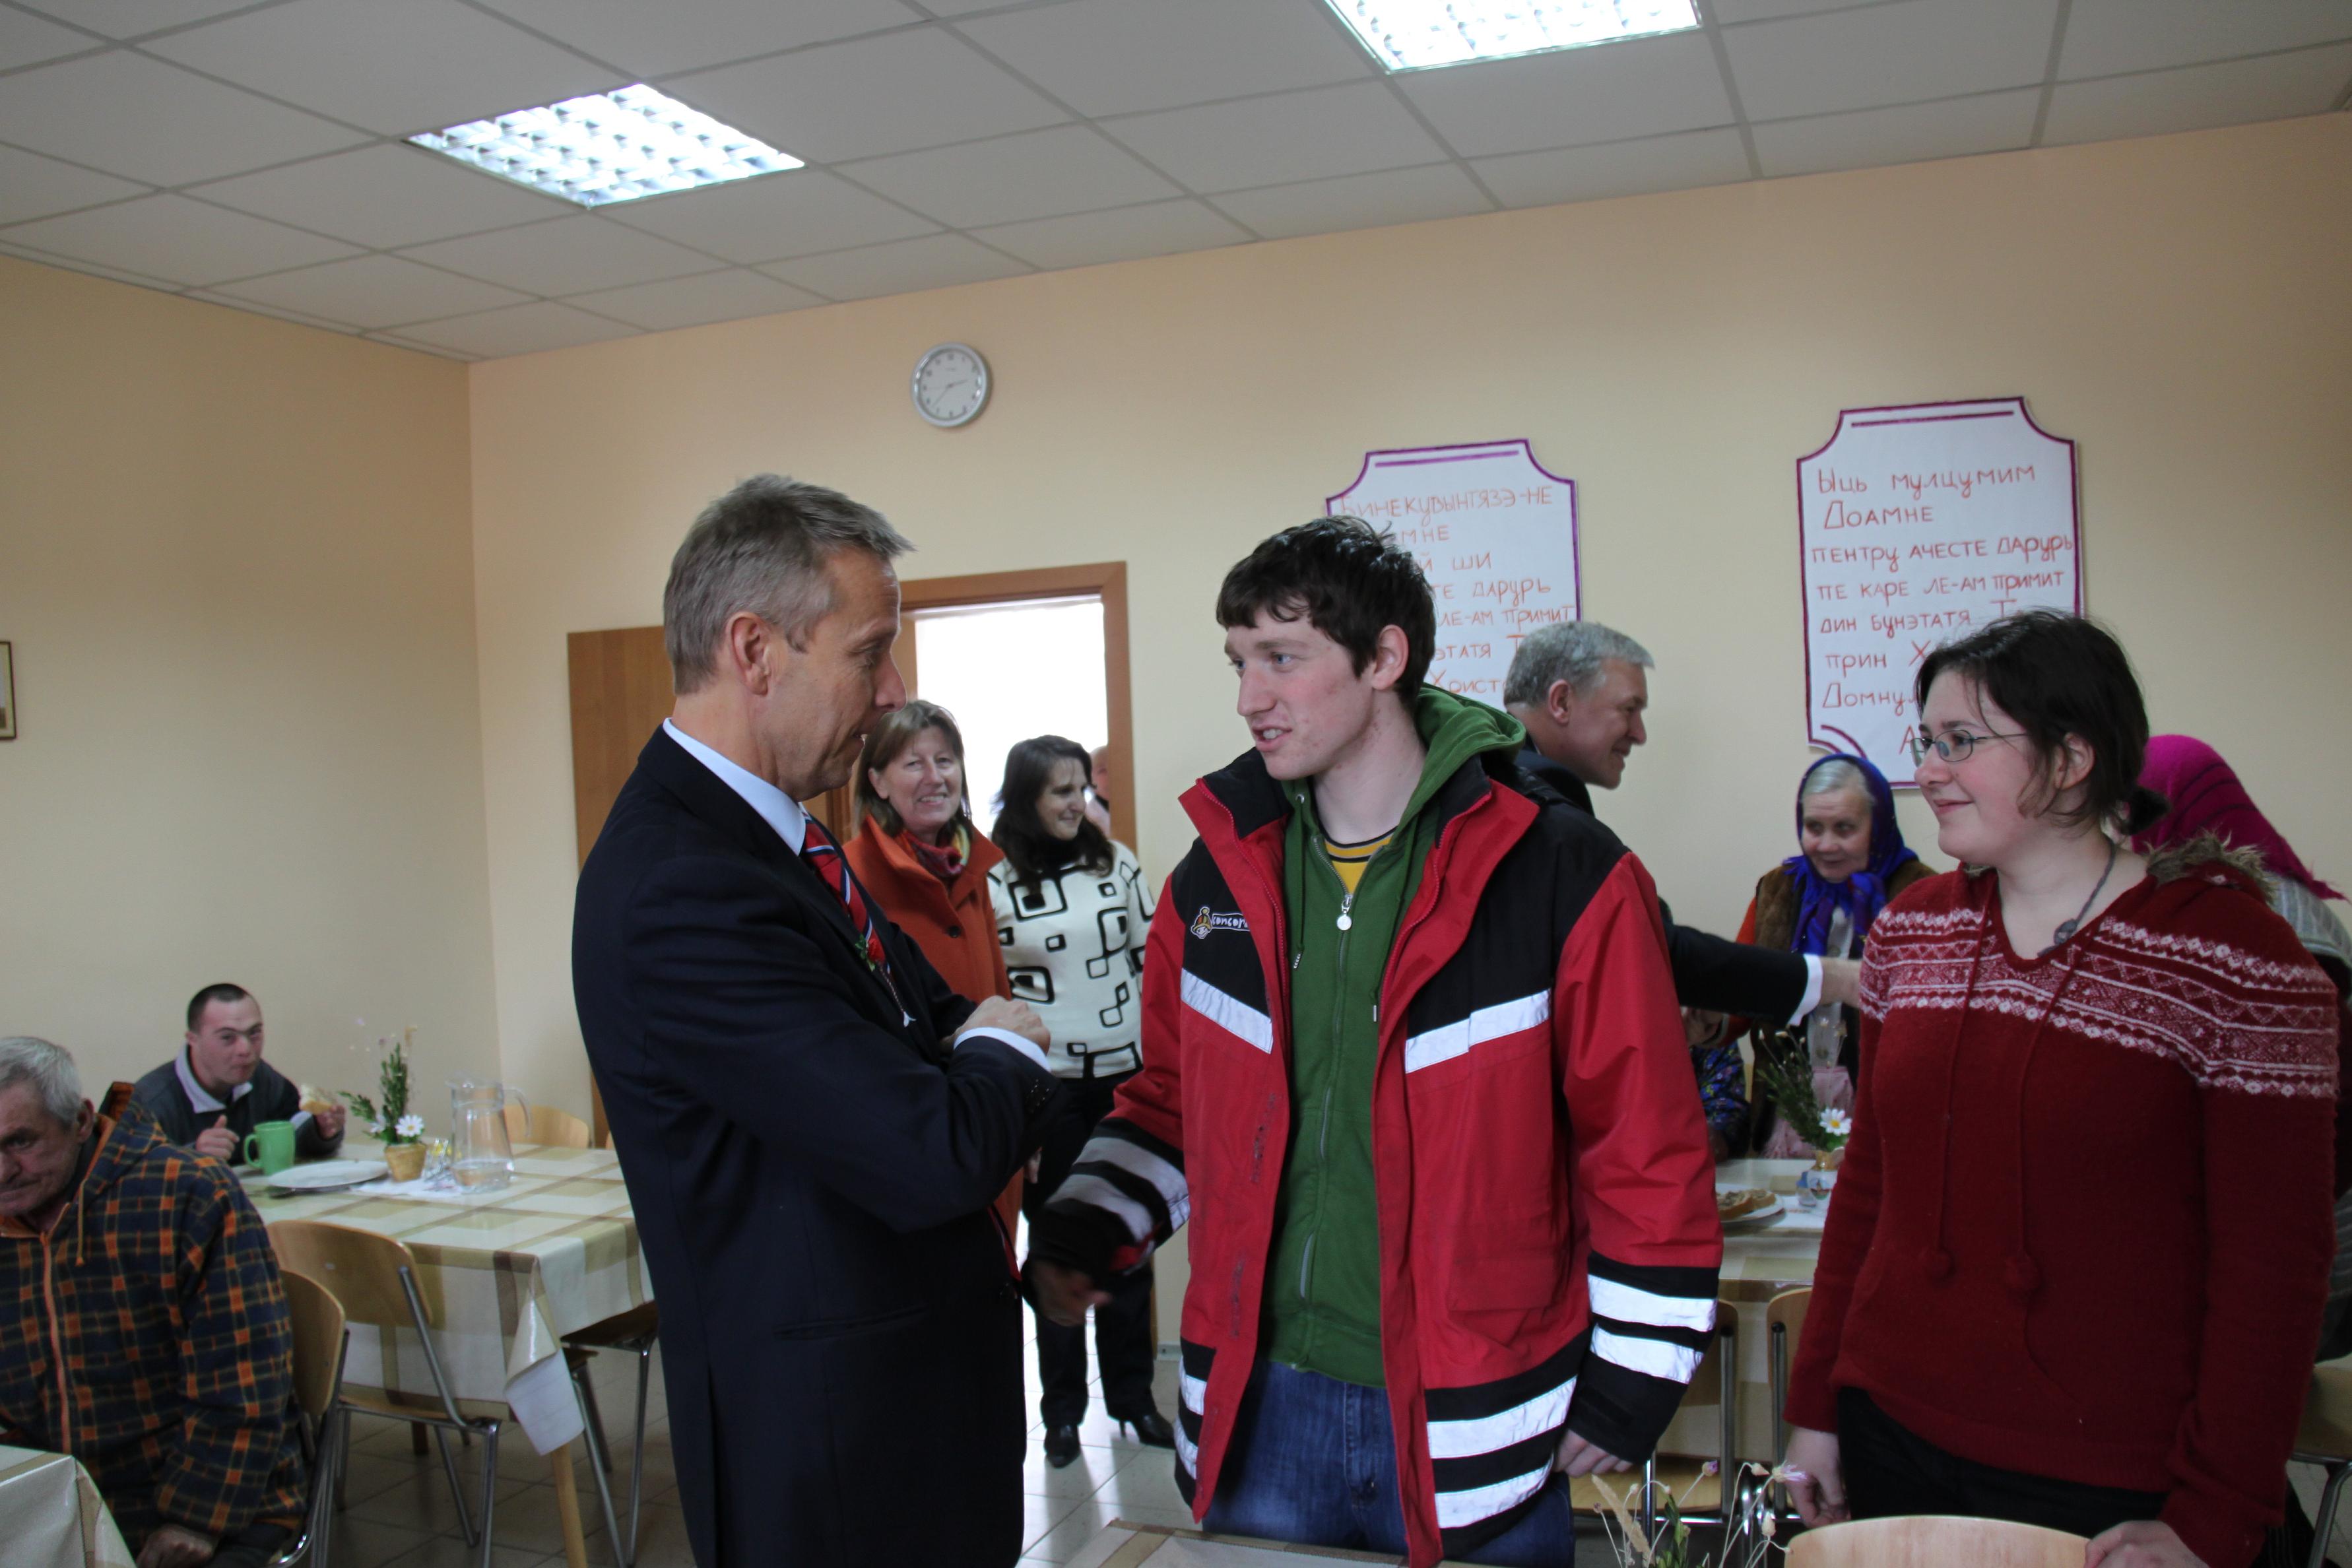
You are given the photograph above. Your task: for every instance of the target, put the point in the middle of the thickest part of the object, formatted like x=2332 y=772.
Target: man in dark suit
x=811 y=1124
x=1581 y=690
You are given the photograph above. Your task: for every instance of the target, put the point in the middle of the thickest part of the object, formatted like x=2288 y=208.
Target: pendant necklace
x=2068 y=927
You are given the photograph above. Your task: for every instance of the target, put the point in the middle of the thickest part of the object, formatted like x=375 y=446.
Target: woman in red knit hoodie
x=2076 y=1264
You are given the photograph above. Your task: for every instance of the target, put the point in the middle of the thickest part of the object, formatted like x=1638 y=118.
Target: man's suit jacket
x=810 y=1172
x=1710 y=972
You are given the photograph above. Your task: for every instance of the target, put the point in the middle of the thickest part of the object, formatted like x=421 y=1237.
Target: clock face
x=951 y=384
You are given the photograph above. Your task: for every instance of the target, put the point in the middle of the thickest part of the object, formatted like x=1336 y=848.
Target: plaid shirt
x=152 y=1341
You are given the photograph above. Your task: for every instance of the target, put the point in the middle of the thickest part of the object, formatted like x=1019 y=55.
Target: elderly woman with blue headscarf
x=1853 y=861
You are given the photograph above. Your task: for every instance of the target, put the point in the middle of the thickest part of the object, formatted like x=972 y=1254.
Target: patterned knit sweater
x=2083 y=1228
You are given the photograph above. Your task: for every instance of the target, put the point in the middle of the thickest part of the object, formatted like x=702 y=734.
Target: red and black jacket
x=1549 y=1242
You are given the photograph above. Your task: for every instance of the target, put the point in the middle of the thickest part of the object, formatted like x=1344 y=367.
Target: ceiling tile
x=2107 y=38
x=696 y=301
x=2196 y=97
x=372 y=292
x=396 y=68
x=1731 y=13
x=1907 y=133
x=1358 y=201
x=1605 y=93
x=1083 y=239
x=92 y=268
x=158 y=124
x=27 y=40
x=129 y=18
x=935 y=261
x=1118 y=56
x=918 y=89
x=35 y=186
x=1040 y=173
x=212 y=297
x=1675 y=162
x=517 y=330
x=566 y=257
x=774 y=217
x=686 y=35
x=178 y=240
x=383 y=197
x=1889 y=54
x=1322 y=131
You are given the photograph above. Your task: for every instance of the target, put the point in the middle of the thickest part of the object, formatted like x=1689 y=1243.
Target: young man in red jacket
x=1412 y=1069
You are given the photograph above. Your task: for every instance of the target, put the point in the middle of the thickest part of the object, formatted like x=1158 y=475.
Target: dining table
x=51 y=1515
x=507 y=1273
x=1763 y=1257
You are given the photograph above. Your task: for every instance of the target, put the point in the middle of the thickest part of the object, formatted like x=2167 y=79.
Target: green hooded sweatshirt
x=1323 y=1278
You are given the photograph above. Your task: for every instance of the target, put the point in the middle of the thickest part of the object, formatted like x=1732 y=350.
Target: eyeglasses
x=1953 y=747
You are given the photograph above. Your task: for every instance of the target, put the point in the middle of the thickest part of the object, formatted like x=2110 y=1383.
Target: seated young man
x=151 y=1338
x=1413 y=1066
x=219 y=1089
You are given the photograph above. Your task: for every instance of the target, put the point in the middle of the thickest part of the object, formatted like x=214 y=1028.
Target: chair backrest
x=549 y=1125
x=1927 y=1542
x=1786 y=1312
x=317 y=1342
x=361 y=1269
x=2326 y=1431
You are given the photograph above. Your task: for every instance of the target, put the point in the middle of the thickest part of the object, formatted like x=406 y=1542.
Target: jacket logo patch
x=1204 y=922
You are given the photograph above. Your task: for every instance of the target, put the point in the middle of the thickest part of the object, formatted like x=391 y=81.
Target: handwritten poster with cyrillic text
x=1918 y=525
x=1496 y=534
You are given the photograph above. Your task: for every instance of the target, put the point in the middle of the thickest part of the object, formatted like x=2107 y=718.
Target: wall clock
x=950 y=386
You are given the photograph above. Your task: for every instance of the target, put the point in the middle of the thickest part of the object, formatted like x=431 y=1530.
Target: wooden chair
x=320 y=1340
x=1927 y=1542
x=1784 y=1324
x=1704 y=1499
x=546 y=1124
x=374 y=1278
x=2326 y=1440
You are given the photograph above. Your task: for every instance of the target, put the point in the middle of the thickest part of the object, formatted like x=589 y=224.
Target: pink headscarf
x=2207 y=797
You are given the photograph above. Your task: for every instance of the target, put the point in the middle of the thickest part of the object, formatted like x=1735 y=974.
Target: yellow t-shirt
x=1350 y=860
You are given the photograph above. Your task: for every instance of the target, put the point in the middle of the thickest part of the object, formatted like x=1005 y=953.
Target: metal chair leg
x=638 y=1454
x=456 y=1491
x=490 y=1488
x=599 y=1461
x=594 y=1412
x=2323 y=1526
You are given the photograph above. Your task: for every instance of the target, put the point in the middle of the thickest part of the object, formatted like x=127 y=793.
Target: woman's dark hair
x=1035 y=852
x=2058 y=675
x=1349 y=580
x=886 y=740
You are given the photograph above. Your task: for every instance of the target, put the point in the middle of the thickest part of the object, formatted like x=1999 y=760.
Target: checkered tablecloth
x=508 y=1274
x=52 y=1517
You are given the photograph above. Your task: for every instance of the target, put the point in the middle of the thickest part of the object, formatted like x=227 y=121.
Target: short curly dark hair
x=1349 y=580
x=2059 y=675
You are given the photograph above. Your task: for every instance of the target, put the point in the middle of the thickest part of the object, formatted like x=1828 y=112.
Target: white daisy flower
x=410 y=1126
x=1837 y=1124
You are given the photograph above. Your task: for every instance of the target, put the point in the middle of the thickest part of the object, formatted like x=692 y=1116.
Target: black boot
x=1151 y=1429
x=1062 y=1444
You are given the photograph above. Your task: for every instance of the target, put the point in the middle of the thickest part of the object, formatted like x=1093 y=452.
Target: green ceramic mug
x=275 y=1142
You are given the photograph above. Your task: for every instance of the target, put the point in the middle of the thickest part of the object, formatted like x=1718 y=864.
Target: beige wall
x=235 y=566
x=2176 y=305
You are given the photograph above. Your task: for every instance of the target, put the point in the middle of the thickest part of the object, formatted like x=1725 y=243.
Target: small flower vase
x=405 y=1161
x=1814 y=1186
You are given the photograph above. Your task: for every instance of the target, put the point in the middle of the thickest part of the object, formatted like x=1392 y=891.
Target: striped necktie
x=832 y=867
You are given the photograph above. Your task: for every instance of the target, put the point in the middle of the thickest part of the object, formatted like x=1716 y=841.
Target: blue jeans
x=1313 y=1462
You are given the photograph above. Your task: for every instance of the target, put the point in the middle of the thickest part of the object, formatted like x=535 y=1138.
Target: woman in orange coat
x=918 y=854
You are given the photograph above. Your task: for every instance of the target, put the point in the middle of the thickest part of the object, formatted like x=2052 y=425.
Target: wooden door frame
x=1105 y=580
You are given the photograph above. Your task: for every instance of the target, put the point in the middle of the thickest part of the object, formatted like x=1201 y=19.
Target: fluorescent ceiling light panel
x=617 y=146
x=1416 y=35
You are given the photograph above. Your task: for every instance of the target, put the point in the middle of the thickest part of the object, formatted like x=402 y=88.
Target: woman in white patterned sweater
x=1073 y=913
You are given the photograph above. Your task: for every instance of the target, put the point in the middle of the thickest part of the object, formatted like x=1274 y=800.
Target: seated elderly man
x=219 y=1089
x=147 y=1333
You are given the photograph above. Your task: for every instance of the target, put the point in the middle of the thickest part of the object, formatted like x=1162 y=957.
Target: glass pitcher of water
x=481 y=1155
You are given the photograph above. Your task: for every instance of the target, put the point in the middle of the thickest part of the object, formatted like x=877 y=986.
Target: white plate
x=328 y=1175
x=1757 y=1217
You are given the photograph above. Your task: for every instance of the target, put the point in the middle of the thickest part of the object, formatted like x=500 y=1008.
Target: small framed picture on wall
x=8 y=693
